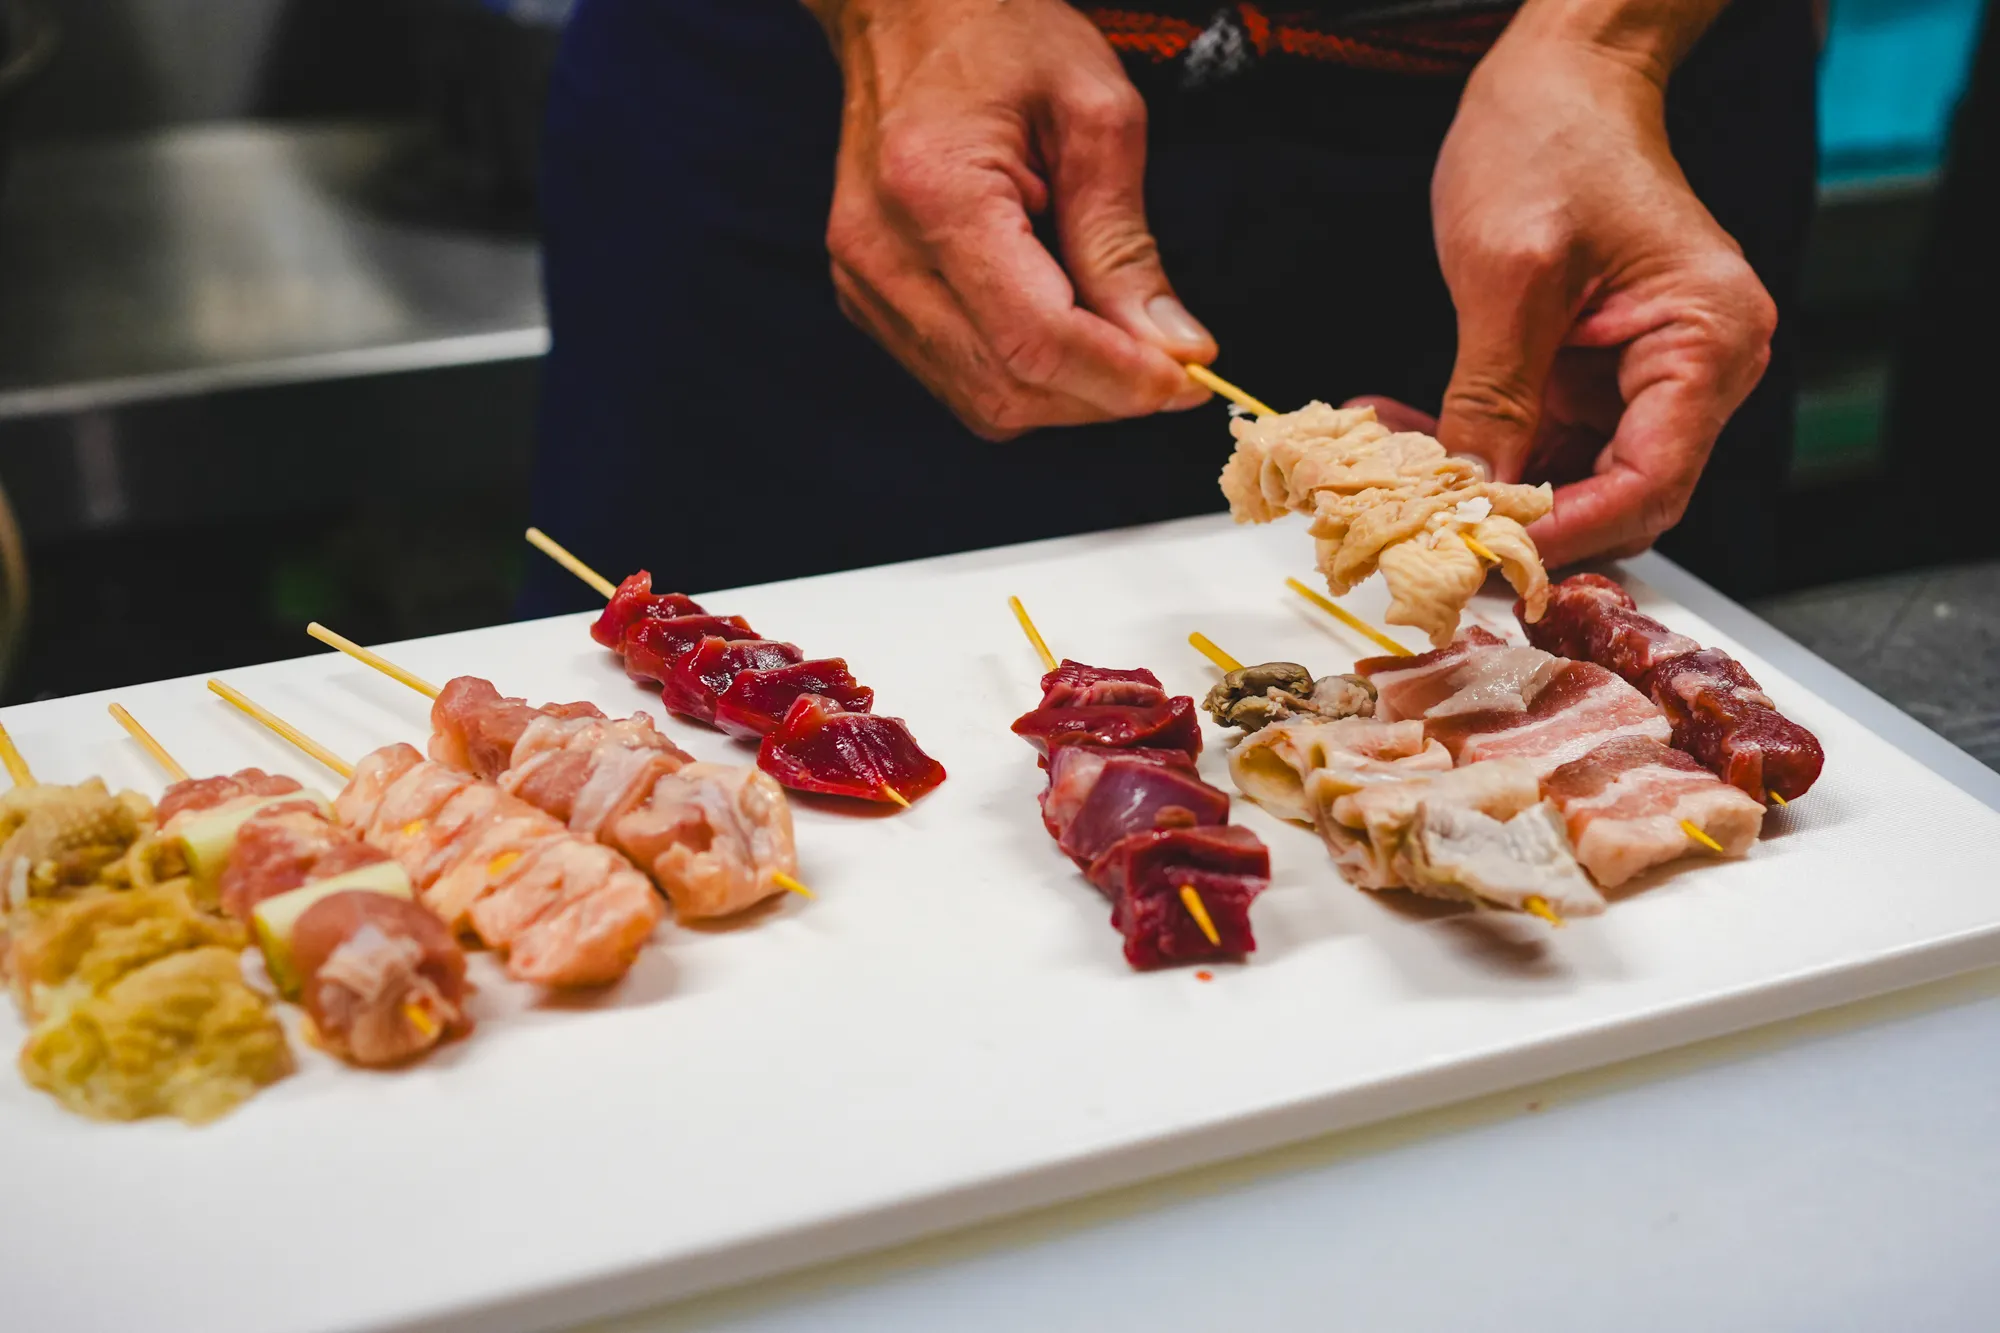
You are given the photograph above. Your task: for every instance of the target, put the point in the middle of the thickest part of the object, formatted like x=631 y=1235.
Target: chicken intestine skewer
x=716 y=838
x=380 y=978
x=1389 y=500
x=562 y=910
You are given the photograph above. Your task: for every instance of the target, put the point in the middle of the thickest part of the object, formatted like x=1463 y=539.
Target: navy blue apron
x=710 y=415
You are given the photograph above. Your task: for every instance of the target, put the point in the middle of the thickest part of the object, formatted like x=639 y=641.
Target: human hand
x=1607 y=326
x=964 y=119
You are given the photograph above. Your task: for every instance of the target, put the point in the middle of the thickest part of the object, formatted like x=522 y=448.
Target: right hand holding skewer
x=964 y=119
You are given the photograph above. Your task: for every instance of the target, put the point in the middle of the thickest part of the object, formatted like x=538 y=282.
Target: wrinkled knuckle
x=1115 y=244
x=909 y=167
x=1110 y=110
x=1030 y=356
x=1527 y=252
x=992 y=412
x=1497 y=399
x=846 y=235
x=1662 y=510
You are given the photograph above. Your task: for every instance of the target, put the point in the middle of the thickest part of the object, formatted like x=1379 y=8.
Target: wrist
x=1649 y=37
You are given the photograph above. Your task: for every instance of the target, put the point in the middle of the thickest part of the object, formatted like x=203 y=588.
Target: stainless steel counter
x=213 y=257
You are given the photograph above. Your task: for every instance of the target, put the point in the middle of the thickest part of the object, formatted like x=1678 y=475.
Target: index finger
x=1023 y=305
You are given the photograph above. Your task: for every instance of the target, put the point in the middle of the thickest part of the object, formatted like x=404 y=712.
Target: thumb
x=1097 y=161
x=1507 y=345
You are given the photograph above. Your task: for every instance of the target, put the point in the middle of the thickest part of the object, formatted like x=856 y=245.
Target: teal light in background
x=1892 y=72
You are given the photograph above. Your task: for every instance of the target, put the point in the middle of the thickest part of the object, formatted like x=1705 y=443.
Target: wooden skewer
x=283 y=728
x=17 y=767
x=1199 y=911
x=376 y=660
x=1189 y=898
x=1780 y=801
x=148 y=744
x=790 y=885
x=1694 y=830
x=1478 y=549
x=1206 y=647
x=1536 y=905
x=1347 y=618
x=1208 y=379
x=1034 y=635
x=557 y=552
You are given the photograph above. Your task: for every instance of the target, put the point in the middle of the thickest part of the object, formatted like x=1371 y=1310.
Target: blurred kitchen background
x=270 y=325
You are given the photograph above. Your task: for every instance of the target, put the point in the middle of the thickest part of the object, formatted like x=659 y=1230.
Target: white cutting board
x=949 y=1031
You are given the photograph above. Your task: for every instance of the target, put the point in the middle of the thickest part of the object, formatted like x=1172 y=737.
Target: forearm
x=1652 y=36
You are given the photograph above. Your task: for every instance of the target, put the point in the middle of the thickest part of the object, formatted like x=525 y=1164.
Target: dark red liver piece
x=634 y=601
x=653 y=646
x=1133 y=796
x=1073 y=771
x=1143 y=875
x=757 y=701
x=698 y=676
x=1173 y=725
x=820 y=747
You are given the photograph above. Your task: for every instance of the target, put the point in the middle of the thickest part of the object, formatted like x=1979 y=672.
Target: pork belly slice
x=1480 y=832
x=1133 y=796
x=714 y=836
x=1406 y=687
x=1143 y=876
x=1624 y=804
x=1282 y=766
x=1073 y=771
x=1077 y=685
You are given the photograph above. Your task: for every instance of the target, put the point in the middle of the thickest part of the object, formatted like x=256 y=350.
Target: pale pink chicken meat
x=715 y=837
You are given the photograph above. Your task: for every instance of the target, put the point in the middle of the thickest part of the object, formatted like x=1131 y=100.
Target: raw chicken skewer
x=564 y=910
x=601 y=746
x=381 y=979
x=1189 y=896
x=1534 y=904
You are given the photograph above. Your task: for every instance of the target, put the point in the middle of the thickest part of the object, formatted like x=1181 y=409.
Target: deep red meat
x=1143 y=874
x=1134 y=796
x=1592 y=619
x=634 y=601
x=1172 y=725
x=757 y=701
x=1720 y=715
x=819 y=747
x=1074 y=685
x=1073 y=771
x=698 y=676
x=653 y=646
x=1725 y=721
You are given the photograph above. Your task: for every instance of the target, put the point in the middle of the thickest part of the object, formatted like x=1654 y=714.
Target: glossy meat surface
x=756 y=701
x=634 y=602
x=821 y=748
x=1143 y=876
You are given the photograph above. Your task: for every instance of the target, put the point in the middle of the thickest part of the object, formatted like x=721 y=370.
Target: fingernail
x=1171 y=318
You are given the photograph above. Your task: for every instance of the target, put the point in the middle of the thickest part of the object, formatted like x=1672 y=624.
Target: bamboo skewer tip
x=561 y=554
x=895 y=795
x=1696 y=832
x=1478 y=548
x=1347 y=618
x=1208 y=379
x=1199 y=911
x=790 y=885
x=148 y=743
x=1034 y=635
x=1776 y=799
x=10 y=757
x=1536 y=905
x=1208 y=648
x=368 y=657
x=283 y=728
